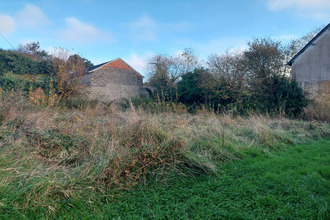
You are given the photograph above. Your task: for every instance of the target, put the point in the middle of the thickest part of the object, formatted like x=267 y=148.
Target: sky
x=102 y=30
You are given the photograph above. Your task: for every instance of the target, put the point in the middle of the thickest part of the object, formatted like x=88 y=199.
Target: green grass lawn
x=288 y=184
x=292 y=184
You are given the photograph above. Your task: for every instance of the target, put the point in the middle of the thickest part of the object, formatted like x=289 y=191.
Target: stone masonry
x=311 y=66
x=113 y=80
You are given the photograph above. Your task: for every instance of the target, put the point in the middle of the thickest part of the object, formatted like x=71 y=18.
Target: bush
x=11 y=61
x=195 y=88
x=49 y=156
x=279 y=95
x=10 y=82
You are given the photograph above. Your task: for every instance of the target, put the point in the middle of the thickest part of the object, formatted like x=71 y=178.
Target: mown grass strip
x=291 y=184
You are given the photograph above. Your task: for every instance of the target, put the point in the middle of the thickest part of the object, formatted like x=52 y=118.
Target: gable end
x=310 y=43
x=115 y=64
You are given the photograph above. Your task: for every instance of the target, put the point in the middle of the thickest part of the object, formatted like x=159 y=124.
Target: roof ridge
x=93 y=68
x=130 y=67
x=308 y=44
x=98 y=66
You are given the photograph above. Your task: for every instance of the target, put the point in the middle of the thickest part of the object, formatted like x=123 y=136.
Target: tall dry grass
x=64 y=153
x=318 y=111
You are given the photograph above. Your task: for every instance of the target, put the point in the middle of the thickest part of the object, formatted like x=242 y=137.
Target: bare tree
x=33 y=51
x=295 y=45
x=165 y=70
x=227 y=67
x=188 y=61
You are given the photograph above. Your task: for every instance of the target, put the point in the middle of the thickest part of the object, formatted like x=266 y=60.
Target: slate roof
x=307 y=45
x=96 y=66
x=115 y=64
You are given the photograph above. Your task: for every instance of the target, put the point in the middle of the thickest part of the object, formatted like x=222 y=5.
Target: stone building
x=113 y=80
x=311 y=66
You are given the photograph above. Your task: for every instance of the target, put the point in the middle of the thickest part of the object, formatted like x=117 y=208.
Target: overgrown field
x=290 y=184
x=55 y=161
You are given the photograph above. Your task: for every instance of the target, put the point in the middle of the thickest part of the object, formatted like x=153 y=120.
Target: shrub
x=49 y=156
x=280 y=95
x=195 y=88
x=9 y=82
x=11 y=61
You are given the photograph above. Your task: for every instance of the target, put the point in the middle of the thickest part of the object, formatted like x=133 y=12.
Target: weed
x=55 y=157
x=318 y=111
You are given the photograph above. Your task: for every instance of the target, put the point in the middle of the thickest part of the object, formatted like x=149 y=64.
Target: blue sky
x=135 y=30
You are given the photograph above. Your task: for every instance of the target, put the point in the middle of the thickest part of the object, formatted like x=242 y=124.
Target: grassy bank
x=290 y=184
x=56 y=162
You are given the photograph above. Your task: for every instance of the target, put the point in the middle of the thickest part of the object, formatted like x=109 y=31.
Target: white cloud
x=7 y=24
x=139 y=63
x=144 y=28
x=78 y=31
x=317 y=9
x=31 y=16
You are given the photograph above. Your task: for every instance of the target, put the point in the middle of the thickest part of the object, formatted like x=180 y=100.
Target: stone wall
x=109 y=84
x=112 y=92
x=104 y=76
x=312 y=68
x=319 y=91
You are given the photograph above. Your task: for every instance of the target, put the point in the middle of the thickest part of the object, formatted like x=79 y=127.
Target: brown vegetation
x=104 y=144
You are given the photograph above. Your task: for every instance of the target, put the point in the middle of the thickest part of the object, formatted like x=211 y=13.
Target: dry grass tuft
x=49 y=153
x=318 y=111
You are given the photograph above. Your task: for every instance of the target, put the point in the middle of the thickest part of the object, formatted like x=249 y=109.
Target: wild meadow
x=90 y=157
x=233 y=137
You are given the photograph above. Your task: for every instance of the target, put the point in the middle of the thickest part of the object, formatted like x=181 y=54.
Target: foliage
x=77 y=102
x=250 y=189
x=17 y=63
x=269 y=89
x=68 y=70
x=152 y=105
x=41 y=89
x=280 y=95
x=59 y=78
x=228 y=67
x=33 y=51
x=79 y=60
x=242 y=82
x=296 y=44
x=263 y=59
x=196 y=88
x=13 y=82
x=165 y=71
x=62 y=161
x=253 y=80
